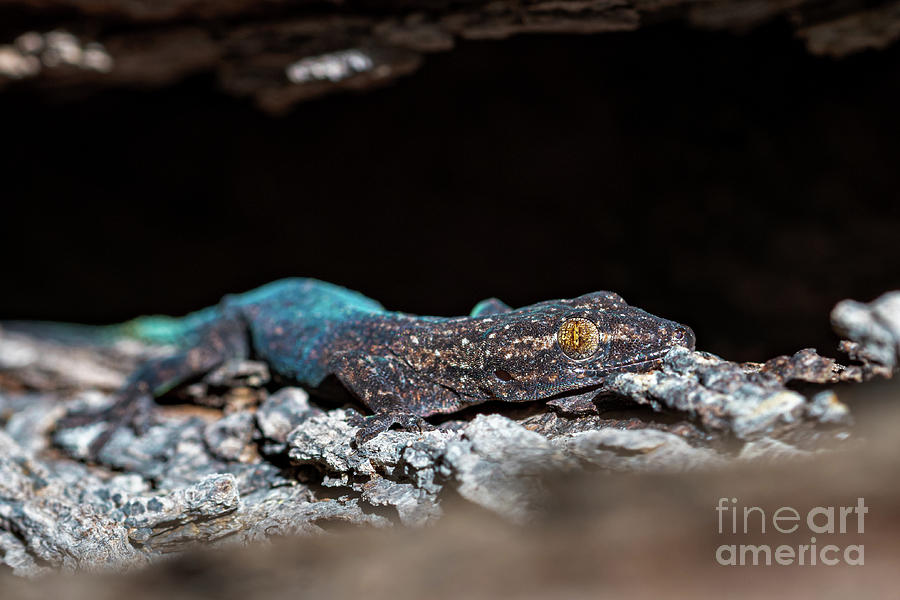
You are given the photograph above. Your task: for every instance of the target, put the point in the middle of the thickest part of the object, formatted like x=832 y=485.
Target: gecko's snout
x=684 y=336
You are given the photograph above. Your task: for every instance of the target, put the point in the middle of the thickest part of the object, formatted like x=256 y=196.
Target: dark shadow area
x=733 y=183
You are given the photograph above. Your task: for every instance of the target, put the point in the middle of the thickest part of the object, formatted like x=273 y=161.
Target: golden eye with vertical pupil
x=579 y=338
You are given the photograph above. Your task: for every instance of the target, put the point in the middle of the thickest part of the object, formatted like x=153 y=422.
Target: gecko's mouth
x=644 y=364
x=593 y=379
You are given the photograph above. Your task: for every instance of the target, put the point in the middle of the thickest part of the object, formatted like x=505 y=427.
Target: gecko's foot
x=578 y=405
x=371 y=426
x=133 y=411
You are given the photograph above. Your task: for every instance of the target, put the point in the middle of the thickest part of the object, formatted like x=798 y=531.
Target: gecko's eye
x=579 y=338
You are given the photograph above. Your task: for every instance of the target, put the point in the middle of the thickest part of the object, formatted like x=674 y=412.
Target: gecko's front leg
x=393 y=391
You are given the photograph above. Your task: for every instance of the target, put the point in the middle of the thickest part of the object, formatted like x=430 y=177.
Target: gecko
x=401 y=367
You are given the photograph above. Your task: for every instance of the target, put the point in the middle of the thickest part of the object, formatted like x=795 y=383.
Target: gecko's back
x=290 y=323
x=295 y=323
x=294 y=298
x=310 y=298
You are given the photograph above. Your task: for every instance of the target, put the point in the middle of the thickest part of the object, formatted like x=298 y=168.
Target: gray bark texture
x=247 y=461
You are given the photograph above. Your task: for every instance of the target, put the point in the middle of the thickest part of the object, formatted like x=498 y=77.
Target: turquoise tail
x=164 y=330
x=155 y=330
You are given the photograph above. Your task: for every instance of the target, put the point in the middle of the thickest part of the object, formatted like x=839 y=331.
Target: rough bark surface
x=279 y=52
x=258 y=460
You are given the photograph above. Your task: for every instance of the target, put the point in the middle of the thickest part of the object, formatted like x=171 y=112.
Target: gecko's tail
x=74 y=334
x=154 y=330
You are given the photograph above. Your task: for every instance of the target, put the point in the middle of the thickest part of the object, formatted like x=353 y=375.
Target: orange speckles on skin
x=579 y=338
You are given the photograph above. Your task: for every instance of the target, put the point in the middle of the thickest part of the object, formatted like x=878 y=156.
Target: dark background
x=732 y=182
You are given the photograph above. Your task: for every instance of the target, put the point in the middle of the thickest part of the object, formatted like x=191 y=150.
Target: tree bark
x=280 y=52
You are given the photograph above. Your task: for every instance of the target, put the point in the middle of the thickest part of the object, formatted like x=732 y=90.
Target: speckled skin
x=405 y=367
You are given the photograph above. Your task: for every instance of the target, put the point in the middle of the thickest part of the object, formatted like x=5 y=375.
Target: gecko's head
x=601 y=332
x=565 y=345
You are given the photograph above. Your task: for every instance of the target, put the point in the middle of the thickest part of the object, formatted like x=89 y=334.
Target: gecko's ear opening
x=503 y=375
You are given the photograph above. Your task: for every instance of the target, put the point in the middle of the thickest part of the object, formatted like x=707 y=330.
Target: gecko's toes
x=379 y=423
x=75 y=420
x=127 y=411
x=355 y=418
x=366 y=434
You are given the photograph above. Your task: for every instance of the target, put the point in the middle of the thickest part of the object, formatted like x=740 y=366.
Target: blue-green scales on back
x=402 y=367
x=295 y=321
x=291 y=321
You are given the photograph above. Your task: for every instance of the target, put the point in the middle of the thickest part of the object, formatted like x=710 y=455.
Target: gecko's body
x=405 y=367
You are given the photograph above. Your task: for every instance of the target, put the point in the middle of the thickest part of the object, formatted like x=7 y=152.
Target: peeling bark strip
x=280 y=52
x=276 y=464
